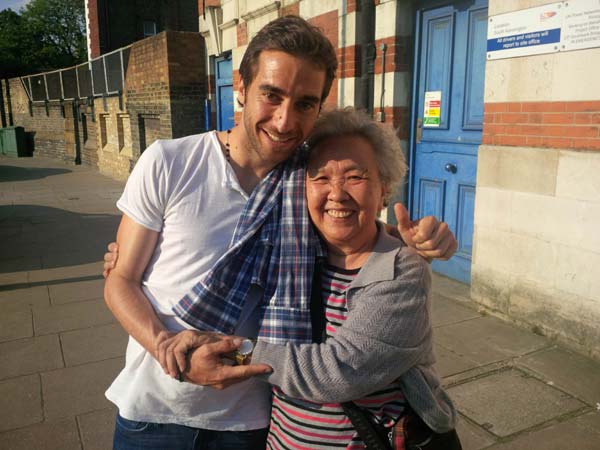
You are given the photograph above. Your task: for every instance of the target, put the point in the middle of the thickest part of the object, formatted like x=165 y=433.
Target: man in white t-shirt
x=180 y=207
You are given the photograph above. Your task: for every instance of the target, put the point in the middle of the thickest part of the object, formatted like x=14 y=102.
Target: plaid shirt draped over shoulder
x=274 y=246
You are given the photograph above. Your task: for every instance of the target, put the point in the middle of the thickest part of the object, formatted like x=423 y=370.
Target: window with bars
x=149 y=28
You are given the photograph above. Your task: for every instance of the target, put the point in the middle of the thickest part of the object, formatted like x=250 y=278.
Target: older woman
x=378 y=339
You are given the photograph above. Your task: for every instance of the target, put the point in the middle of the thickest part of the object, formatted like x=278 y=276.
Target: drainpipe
x=381 y=113
x=366 y=32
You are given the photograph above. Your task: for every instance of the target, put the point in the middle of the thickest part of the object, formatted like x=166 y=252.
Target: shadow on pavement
x=36 y=237
x=13 y=173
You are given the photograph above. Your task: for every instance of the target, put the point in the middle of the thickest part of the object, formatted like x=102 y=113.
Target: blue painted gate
x=451 y=50
x=224 y=92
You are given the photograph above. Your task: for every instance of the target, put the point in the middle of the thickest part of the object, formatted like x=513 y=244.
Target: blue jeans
x=132 y=435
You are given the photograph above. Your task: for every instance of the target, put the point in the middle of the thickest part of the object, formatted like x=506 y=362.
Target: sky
x=15 y=5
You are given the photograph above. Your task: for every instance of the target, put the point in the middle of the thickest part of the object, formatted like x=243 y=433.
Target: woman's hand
x=431 y=238
x=172 y=348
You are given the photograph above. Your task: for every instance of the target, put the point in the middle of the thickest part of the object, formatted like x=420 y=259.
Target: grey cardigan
x=386 y=336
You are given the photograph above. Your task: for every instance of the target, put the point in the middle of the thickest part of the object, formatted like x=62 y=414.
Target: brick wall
x=187 y=87
x=117 y=24
x=88 y=140
x=349 y=61
x=535 y=243
x=163 y=98
x=567 y=125
x=93 y=32
x=4 y=120
x=147 y=90
x=44 y=124
x=393 y=73
x=328 y=22
x=398 y=56
x=207 y=3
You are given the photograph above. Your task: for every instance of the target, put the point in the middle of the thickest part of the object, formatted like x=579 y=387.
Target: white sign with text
x=532 y=31
x=563 y=26
x=581 y=25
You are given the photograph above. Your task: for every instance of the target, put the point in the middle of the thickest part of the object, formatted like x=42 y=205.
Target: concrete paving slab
x=72 y=316
x=450 y=288
x=66 y=273
x=48 y=235
x=56 y=435
x=93 y=344
x=16 y=249
x=15 y=325
x=63 y=218
x=76 y=291
x=12 y=278
x=473 y=437
x=581 y=433
x=445 y=311
x=20 y=402
x=52 y=259
x=12 y=197
x=78 y=390
x=8 y=231
x=509 y=402
x=23 y=299
x=573 y=373
x=449 y=363
x=20 y=264
x=97 y=429
x=27 y=356
x=487 y=339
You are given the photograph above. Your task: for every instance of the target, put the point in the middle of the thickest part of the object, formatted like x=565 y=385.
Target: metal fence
x=100 y=77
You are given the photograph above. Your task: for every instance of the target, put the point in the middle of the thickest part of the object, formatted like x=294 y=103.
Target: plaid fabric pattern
x=398 y=434
x=274 y=246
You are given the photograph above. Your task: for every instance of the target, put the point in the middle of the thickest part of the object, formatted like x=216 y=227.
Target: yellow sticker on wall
x=431 y=114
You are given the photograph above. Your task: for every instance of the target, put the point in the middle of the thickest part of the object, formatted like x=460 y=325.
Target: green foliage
x=44 y=35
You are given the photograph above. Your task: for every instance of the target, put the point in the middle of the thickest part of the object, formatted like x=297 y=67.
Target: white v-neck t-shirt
x=185 y=190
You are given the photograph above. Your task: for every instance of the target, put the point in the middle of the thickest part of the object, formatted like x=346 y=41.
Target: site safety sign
x=562 y=26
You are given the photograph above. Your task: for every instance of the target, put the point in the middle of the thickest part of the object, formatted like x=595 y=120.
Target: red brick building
x=502 y=144
x=115 y=24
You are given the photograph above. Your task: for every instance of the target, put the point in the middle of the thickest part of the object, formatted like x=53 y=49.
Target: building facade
x=495 y=101
x=505 y=148
x=114 y=24
x=105 y=113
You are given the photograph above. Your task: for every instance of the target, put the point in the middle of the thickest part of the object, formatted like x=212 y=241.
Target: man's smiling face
x=281 y=104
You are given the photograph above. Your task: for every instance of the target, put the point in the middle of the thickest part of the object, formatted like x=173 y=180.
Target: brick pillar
x=93 y=31
x=187 y=82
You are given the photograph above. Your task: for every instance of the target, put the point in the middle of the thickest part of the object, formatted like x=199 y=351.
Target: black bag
x=410 y=430
x=374 y=435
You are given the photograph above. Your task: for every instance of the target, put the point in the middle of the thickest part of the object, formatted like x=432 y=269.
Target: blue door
x=448 y=107
x=224 y=88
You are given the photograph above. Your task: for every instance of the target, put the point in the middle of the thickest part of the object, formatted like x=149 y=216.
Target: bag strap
x=365 y=426
x=373 y=435
x=317 y=308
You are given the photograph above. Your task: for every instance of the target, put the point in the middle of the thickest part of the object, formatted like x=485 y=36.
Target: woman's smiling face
x=344 y=192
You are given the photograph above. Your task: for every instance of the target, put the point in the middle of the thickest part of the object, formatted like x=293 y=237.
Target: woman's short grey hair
x=385 y=143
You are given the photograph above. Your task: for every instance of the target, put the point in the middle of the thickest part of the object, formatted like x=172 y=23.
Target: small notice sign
x=563 y=26
x=581 y=25
x=532 y=31
x=431 y=114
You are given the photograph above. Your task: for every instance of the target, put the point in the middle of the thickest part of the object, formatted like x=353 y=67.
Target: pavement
x=60 y=347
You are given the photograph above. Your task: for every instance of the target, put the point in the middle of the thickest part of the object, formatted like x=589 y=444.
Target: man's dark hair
x=293 y=35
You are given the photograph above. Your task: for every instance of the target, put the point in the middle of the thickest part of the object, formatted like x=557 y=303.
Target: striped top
x=300 y=424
